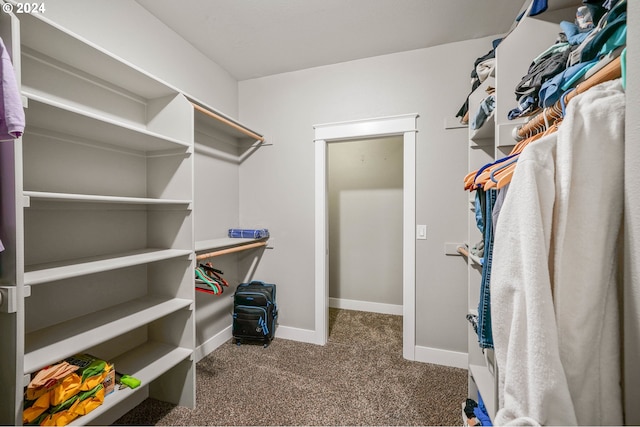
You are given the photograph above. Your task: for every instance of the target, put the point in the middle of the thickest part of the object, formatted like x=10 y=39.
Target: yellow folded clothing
x=36 y=409
x=80 y=404
x=47 y=378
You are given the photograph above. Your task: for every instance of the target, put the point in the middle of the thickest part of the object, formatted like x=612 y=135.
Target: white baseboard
x=438 y=356
x=373 y=307
x=296 y=334
x=212 y=343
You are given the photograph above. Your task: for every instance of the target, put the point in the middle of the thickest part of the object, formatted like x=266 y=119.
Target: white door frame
x=406 y=126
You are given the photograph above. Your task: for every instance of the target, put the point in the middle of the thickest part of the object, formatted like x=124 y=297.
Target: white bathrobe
x=554 y=304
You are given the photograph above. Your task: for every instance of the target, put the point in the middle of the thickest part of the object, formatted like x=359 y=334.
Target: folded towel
x=248 y=233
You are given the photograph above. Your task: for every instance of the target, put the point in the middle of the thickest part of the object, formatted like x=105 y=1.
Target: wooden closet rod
x=611 y=71
x=228 y=122
x=230 y=250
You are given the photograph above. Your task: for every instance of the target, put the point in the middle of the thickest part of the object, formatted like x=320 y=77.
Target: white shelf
x=45 y=36
x=52 y=344
x=485 y=134
x=49 y=272
x=222 y=243
x=146 y=363
x=48 y=112
x=486 y=386
x=94 y=198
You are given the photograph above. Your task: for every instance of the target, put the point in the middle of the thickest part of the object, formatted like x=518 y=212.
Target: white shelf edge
x=52 y=344
x=94 y=198
x=146 y=363
x=485 y=382
x=43 y=273
x=222 y=243
x=52 y=101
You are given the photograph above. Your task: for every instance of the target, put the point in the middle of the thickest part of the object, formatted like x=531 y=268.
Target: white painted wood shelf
x=50 y=345
x=145 y=363
x=49 y=272
x=68 y=118
x=96 y=198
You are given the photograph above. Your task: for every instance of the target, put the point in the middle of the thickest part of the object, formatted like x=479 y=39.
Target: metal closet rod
x=228 y=122
x=230 y=250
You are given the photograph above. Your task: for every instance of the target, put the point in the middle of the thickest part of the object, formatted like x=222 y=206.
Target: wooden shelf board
x=49 y=272
x=50 y=345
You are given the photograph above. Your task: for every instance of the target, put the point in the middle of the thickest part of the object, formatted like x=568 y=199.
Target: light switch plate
x=421 y=232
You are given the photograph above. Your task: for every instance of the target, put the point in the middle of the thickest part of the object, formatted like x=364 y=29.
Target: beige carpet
x=358 y=378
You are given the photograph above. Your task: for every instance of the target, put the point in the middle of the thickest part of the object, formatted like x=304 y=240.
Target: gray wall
x=277 y=184
x=365 y=220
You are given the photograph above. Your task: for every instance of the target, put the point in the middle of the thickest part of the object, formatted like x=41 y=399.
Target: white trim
x=381 y=126
x=441 y=357
x=372 y=307
x=409 y=247
x=404 y=125
x=296 y=334
x=204 y=349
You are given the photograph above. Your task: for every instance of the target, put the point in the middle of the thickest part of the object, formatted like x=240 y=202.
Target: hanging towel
x=554 y=291
x=247 y=233
x=11 y=114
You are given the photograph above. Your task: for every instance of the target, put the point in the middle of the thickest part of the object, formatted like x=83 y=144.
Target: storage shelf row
x=49 y=272
x=146 y=362
x=49 y=345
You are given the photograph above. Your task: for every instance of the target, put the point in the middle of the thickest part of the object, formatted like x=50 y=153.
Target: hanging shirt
x=554 y=291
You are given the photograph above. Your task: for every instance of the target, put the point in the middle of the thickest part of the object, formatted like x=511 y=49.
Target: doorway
x=364 y=178
x=405 y=127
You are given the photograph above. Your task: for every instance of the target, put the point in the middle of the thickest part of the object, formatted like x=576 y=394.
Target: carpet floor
x=358 y=378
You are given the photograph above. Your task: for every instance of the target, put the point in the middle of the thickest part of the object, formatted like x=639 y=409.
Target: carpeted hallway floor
x=358 y=378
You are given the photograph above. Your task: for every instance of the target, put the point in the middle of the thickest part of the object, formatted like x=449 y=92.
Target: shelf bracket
x=8 y=299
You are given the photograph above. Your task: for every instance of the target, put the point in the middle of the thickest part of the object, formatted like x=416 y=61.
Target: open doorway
x=404 y=127
x=365 y=183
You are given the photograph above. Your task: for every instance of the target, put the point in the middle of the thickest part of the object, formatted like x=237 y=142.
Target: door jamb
x=405 y=125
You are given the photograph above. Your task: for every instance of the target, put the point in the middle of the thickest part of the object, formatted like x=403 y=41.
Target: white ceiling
x=255 y=38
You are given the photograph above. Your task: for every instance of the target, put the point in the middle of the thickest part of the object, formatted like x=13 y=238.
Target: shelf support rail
x=228 y=122
x=230 y=250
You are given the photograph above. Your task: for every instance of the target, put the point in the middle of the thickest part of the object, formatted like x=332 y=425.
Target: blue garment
x=481 y=412
x=485 y=109
x=537 y=7
x=573 y=33
x=551 y=91
x=247 y=233
x=526 y=104
x=479 y=214
x=485 y=335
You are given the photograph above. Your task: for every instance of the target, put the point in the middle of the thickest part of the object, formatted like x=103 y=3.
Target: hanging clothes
x=553 y=287
x=11 y=112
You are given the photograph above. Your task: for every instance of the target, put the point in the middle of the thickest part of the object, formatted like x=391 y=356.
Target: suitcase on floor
x=254 y=312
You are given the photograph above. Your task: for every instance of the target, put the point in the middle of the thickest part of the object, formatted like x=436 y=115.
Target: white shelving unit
x=100 y=245
x=493 y=141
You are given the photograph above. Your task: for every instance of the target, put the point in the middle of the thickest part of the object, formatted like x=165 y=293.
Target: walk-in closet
x=319 y=212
